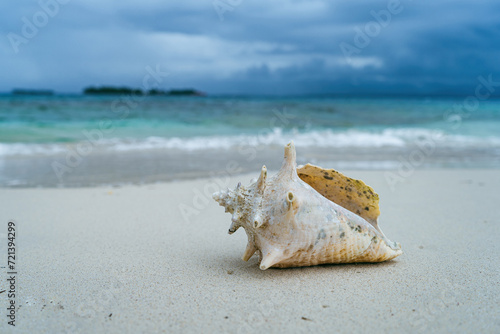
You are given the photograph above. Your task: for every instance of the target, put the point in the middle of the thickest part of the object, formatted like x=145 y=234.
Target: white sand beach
x=126 y=260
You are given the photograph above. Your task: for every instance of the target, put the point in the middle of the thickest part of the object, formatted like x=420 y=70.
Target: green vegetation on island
x=19 y=91
x=105 y=90
x=108 y=90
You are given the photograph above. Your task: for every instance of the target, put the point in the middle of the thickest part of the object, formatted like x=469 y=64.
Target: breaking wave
x=403 y=137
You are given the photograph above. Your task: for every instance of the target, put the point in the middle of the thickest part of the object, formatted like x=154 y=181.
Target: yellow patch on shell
x=353 y=195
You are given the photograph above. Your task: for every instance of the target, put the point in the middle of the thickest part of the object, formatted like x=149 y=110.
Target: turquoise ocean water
x=79 y=140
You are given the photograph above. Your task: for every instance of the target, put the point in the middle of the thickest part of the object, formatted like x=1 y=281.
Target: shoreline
x=400 y=174
x=153 y=166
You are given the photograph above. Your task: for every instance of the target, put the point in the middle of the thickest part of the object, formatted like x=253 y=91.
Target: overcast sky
x=252 y=46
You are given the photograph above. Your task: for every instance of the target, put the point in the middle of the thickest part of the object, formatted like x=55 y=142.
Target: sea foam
x=400 y=138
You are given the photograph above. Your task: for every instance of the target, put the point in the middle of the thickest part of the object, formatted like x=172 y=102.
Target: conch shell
x=307 y=216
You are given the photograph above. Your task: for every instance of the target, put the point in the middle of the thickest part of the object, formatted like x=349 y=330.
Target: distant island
x=20 y=91
x=108 y=90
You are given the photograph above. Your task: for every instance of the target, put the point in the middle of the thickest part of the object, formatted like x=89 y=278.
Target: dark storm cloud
x=278 y=47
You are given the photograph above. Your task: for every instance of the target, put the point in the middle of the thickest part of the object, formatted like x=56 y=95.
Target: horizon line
x=375 y=94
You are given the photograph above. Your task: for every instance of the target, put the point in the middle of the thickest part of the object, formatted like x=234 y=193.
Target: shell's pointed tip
x=261 y=182
x=270 y=259
x=290 y=149
x=249 y=251
x=216 y=195
x=219 y=195
x=290 y=158
x=263 y=171
x=235 y=225
x=265 y=266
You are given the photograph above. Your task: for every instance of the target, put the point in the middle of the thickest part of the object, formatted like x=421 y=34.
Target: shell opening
x=290 y=197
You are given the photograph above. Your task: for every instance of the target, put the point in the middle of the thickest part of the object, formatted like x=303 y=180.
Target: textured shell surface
x=307 y=217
